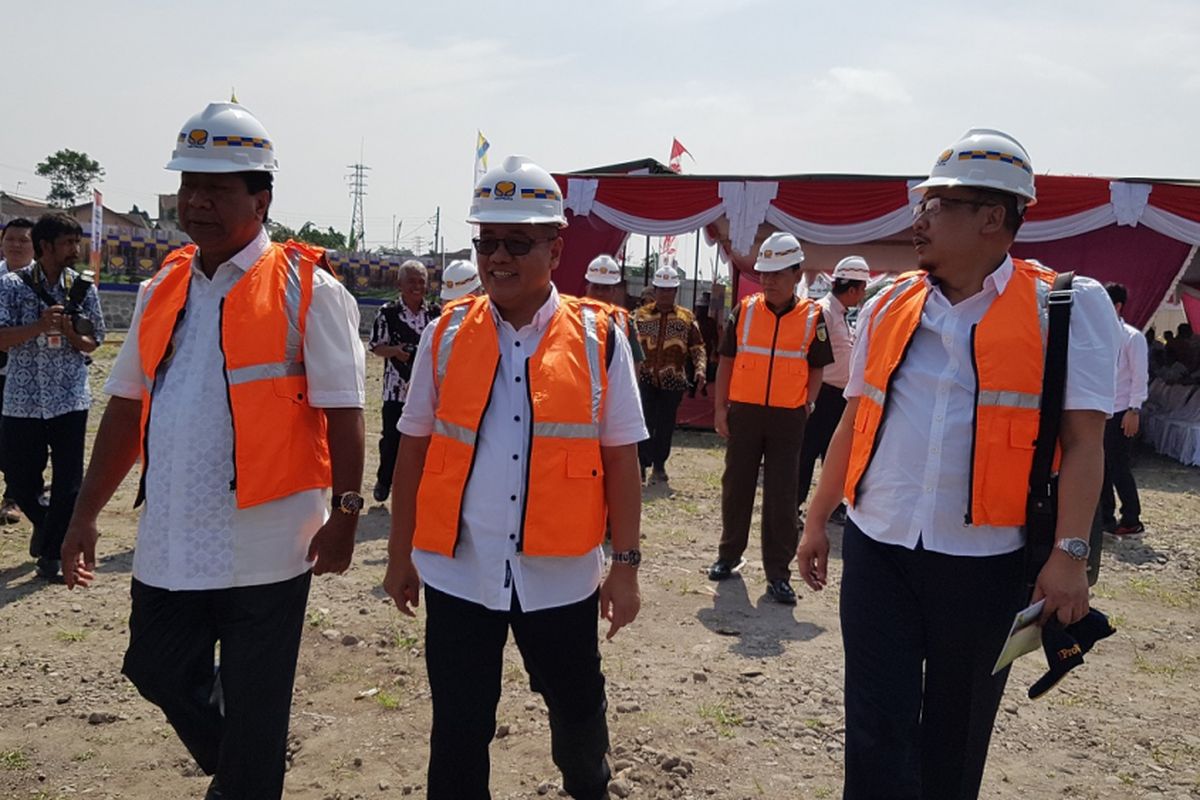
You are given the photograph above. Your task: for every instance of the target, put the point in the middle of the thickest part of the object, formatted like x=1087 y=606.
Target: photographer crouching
x=49 y=321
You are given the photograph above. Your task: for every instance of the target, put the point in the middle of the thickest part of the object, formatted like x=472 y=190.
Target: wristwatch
x=630 y=557
x=348 y=503
x=1078 y=549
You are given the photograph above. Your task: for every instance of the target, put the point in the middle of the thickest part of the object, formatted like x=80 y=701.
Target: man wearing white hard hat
x=934 y=454
x=394 y=336
x=670 y=337
x=850 y=278
x=773 y=353
x=459 y=279
x=240 y=386
x=519 y=443
x=605 y=283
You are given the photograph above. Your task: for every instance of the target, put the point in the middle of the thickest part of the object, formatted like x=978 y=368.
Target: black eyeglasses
x=934 y=205
x=514 y=247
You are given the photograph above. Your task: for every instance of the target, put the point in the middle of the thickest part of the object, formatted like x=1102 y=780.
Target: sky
x=748 y=86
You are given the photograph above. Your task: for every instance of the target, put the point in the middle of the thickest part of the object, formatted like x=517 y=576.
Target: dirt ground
x=713 y=692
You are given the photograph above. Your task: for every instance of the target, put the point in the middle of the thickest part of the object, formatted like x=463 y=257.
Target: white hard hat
x=852 y=268
x=665 y=278
x=517 y=191
x=986 y=159
x=604 y=271
x=224 y=137
x=780 y=251
x=459 y=279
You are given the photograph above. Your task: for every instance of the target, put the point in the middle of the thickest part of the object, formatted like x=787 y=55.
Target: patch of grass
x=406 y=641
x=65 y=635
x=13 y=760
x=823 y=791
x=387 y=700
x=1125 y=778
x=721 y=718
x=86 y=755
x=1168 y=668
x=1151 y=588
x=812 y=723
x=316 y=618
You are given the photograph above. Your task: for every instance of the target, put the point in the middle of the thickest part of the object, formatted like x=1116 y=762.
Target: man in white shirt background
x=933 y=454
x=850 y=278
x=249 y=412
x=16 y=247
x=515 y=450
x=1131 y=390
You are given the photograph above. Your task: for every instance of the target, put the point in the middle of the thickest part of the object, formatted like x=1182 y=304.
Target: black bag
x=1041 y=510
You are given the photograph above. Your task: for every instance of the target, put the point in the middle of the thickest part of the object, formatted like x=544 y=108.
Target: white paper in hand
x=1025 y=636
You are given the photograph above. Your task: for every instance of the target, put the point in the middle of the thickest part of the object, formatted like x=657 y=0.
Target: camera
x=74 y=307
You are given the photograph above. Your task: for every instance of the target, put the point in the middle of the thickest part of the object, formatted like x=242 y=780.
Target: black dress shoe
x=722 y=569
x=49 y=569
x=35 y=541
x=381 y=492
x=781 y=592
x=214 y=790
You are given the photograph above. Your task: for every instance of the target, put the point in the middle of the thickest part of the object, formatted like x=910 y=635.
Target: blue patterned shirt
x=47 y=377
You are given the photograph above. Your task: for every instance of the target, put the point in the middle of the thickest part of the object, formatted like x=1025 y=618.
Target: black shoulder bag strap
x=26 y=276
x=1042 y=508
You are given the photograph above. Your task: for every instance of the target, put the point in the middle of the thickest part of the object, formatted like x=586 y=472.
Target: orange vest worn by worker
x=1007 y=348
x=566 y=380
x=771 y=368
x=279 y=440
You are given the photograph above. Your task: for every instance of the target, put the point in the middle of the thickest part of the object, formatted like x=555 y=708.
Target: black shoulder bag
x=1041 y=509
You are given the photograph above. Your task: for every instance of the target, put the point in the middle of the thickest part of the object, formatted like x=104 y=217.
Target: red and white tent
x=1143 y=233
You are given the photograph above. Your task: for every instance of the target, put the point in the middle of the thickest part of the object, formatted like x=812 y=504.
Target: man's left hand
x=1063 y=584
x=701 y=381
x=332 y=548
x=1130 y=422
x=620 y=598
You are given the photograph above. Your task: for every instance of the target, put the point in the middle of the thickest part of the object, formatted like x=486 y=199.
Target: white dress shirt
x=915 y=489
x=841 y=338
x=191 y=534
x=1133 y=373
x=486 y=567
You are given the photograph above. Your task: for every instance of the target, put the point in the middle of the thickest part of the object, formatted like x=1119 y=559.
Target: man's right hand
x=721 y=423
x=51 y=320
x=812 y=555
x=79 y=553
x=403 y=584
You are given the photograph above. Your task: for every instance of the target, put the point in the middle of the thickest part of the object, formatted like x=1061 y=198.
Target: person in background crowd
x=394 y=337
x=1180 y=347
x=850 y=277
x=1122 y=427
x=604 y=283
x=46 y=393
x=459 y=279
x=933 y=455
x=669 y=336
x=774 y=351
x=16 y=250
x=245 y=411
x=516 y=449
x=710 y=332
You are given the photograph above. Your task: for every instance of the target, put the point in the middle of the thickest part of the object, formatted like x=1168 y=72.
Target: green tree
x=279 y=232
x=328 y=238
x=71 y=175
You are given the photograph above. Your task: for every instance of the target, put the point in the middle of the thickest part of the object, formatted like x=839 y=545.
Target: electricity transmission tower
x=357 y=180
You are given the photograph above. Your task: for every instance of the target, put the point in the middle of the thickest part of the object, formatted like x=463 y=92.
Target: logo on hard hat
x=944 y=157
x=505 y=190
x=197 y=137
x=768 y=253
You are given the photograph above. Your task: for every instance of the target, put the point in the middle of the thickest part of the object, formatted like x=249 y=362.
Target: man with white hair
x=394 y=338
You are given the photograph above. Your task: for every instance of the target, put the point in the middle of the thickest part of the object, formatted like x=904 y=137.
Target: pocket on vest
x=584 y=464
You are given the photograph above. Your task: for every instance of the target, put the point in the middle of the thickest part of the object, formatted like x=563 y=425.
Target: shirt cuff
x=336 y=399
x=409 y=427
x=129 y=391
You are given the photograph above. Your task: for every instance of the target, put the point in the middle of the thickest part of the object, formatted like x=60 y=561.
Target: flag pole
x=696 y=273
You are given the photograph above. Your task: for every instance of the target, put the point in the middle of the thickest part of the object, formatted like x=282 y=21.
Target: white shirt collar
x=248 y=255
x=835 y=305
x=997 y=280
x=543 y=315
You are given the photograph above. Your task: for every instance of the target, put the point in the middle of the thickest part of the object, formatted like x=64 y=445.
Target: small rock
x=502 y=731
x=620 y=787
x=349 y=640
x=384 y=786
x=63 y=700
x=699 y=677
x=628 y=707
x=669 y=763
x=101 y=718
x=358 y=762
x=545 y=787
x=332 y=634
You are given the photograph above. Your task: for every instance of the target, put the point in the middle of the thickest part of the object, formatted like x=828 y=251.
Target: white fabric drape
x=581 y=195
x=656 y=227
x=1129 y=201
x=745 y=205
x=854 y=233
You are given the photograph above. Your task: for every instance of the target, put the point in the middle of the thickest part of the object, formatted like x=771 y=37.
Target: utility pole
x=357 y=180
x=437 y=227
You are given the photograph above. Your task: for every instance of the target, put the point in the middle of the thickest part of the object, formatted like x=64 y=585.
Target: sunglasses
x=514 y=247
x=935 y=205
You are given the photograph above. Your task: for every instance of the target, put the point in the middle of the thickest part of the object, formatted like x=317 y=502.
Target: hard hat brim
x=515 y=217
x=603 y=280
x=761 y=267
x=852 y=275
x=215 y=165
x=462 y=291
x=657 y=284
x=995 y=186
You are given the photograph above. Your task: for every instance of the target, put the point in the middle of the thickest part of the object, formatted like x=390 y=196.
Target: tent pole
x=696 y=274
x=646 y=269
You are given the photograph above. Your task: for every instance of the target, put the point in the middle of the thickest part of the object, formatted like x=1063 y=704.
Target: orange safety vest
x=279 y=440
x=1007 y=353
x=771 y=367
x=566 y=380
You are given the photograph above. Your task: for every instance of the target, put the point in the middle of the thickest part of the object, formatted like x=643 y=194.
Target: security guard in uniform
x=933 y=455
x=773 y=353
x=519 y=442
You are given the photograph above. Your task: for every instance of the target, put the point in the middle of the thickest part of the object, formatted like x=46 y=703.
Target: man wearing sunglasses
x=519 y=442
x=933 y=455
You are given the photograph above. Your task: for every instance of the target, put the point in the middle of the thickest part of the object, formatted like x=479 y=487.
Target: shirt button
x=512 y=537
x=516 y=419
x=514 y=456
x=516 y=344
x=513 y=498
x=518 y=379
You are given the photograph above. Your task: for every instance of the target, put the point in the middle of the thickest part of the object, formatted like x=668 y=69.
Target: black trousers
x=170 y=660
x=921 y=632
x=464 y=653
x=770 y=436
x=3 y=450
x=29 y=443
x=658 y=408
x=389 y=442
x=817 y=433
x=1118 y=474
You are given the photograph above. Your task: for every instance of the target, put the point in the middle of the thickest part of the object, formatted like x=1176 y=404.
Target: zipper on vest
x=475 y=451
x=528 y=464
x=974 y=433
x=771 y=358
x=141 y=492
x=228 y=393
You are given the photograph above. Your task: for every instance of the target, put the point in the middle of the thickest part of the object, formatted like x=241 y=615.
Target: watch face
x=352 y=503
x=1077 y=548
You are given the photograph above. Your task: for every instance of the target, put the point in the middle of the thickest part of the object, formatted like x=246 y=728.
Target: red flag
x=677 y=151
